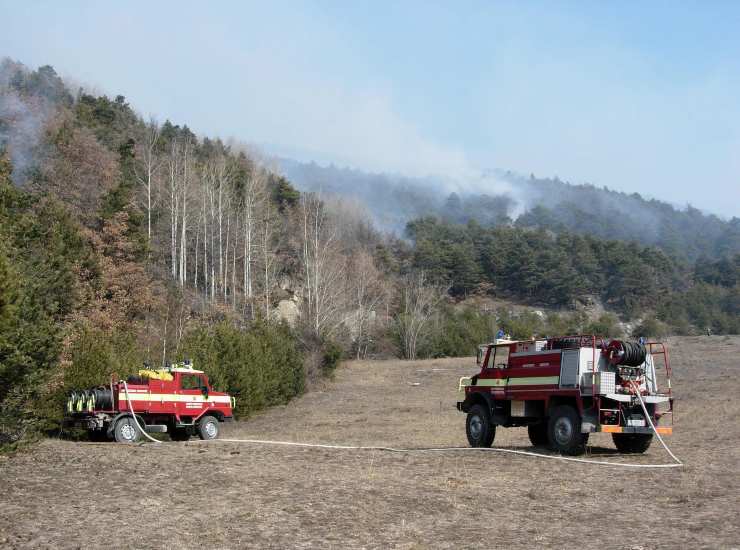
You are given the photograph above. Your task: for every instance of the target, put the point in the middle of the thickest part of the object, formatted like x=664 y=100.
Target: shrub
x=458 y=333
x=260 y=366
x=93 y=356
x=651 y=328
x=606 y=325
x=331 y=356
x=521 y=325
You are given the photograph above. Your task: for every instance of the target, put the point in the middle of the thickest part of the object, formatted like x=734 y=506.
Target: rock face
x=288 y=311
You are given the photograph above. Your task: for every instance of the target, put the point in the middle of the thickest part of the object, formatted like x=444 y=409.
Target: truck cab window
x=501 y=357
x=190 y=382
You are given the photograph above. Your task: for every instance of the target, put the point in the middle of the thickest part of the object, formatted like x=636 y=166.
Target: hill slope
x=504 y=198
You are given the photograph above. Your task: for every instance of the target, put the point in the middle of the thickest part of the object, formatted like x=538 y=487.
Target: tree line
x=540 y=267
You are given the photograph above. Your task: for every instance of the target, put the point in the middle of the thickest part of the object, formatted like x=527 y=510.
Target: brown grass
x=229 y=495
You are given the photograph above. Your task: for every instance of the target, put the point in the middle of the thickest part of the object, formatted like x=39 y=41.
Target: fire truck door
x=193 y=394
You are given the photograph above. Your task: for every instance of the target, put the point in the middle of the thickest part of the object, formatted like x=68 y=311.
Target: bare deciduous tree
x=147 y=152
x=323 y=266
x=173 y=165
x=366 y=293
x=419 y=299
x=267 y=253
x=253 y=199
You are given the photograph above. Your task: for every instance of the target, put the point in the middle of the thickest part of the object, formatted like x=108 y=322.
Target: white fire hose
x=677 y=463
x=442 y=450
x=133 y=414
x=636 y=387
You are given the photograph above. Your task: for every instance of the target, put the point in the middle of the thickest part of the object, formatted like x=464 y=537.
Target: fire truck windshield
x=500 y=357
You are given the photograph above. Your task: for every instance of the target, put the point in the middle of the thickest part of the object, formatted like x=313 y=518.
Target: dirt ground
x=66 y=494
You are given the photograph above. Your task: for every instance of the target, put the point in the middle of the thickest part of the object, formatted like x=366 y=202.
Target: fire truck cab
x=562 y=389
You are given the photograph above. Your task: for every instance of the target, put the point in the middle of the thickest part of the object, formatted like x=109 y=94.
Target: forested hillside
x=124 y=240
x=495 y=199
x=540 y=267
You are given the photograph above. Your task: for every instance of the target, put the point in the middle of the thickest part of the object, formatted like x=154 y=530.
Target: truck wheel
x=126 y=430
x=179 y=434
x=98 y=436
x=208 y=428
x=564 y=431
x=479 y=428
x=632 y=443
x=538 y=434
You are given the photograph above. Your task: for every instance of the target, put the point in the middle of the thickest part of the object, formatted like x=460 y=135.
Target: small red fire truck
x=177 y=400
x=564 y=388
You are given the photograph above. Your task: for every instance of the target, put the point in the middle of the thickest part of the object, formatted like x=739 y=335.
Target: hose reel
x=88 y=400
x=626 y=354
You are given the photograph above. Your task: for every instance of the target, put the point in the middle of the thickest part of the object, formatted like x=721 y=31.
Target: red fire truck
x=178 y=400
x=565 y=388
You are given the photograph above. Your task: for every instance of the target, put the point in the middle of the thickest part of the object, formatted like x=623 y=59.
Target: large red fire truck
x=178 y=400
x=565 y=388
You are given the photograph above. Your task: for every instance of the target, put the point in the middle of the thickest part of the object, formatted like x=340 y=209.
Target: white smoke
x=22 y=121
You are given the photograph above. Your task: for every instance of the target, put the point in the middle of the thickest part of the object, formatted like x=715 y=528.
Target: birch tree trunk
x=183 y=223
x=173 y=162
x=324 y=269
x=226 y=255
x=254 y=197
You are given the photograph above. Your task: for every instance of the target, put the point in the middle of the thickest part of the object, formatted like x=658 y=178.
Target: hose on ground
x=677 y=463
x=441 y=450
x=636 y=387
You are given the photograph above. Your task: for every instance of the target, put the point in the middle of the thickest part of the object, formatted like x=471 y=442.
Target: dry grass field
x=65 y=494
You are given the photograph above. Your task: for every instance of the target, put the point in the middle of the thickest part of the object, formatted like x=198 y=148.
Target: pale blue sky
x=637 y=96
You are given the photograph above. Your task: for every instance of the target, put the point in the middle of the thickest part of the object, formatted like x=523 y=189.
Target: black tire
x=208 y=428
x=179 y=434
x=479 y=428
x=98 y=436
x=564 y=431
x=126 y=430
x=632 y=443
x=538 y=434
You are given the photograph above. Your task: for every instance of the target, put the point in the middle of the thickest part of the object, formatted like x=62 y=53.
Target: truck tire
x=208 y=427
x=564 y=431
x=632 y=443
x=179 y=434
x=538 y=434
x=126 y=430
x=98 y=436
x=479 y=428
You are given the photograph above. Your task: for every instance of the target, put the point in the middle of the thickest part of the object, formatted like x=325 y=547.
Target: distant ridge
x=504 y=198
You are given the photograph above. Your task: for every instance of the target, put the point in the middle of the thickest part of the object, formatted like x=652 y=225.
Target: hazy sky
x=633 y=95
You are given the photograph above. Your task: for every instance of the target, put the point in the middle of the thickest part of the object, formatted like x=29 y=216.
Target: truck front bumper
x=662 y=430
